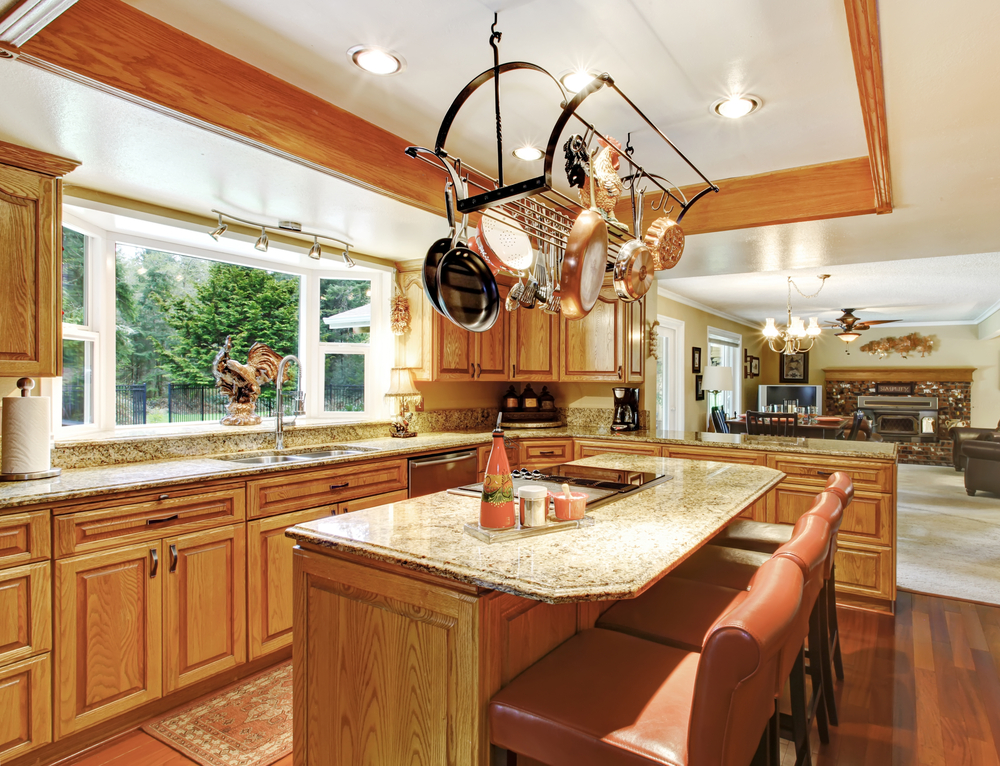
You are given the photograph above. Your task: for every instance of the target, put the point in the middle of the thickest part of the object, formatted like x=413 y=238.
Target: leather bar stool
x=708 y=594
x=612 y=699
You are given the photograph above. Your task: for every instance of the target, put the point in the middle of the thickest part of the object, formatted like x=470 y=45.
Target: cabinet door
x=491 y=348
x=25 y=611
x=635 y=340
x=108 y=634
x=416 y=345
x=269 y=580
x=534 y=345
x=31 y=264
x=594 y=344
x=204 y=605
x=454 y=349
x=26 y=702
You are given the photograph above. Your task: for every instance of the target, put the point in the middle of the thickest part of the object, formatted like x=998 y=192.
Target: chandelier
x=795 y=337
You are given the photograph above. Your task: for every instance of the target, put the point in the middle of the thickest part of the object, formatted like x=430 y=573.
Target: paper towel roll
x=25 y=433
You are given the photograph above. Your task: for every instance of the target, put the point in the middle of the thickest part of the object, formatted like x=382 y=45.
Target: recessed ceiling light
x=735 y=107
x=376 y=60
x=528 y=153
x=574 y=82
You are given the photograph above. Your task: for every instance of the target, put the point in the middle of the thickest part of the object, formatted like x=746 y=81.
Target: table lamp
x=403 y=391
x=716 y=380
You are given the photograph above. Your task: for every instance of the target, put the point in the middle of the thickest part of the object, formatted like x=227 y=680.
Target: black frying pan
x=434 y=255
x=468 y=290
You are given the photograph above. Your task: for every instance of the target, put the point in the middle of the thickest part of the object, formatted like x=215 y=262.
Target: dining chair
x=772 y=423
x=719 y=421
x=855 y=426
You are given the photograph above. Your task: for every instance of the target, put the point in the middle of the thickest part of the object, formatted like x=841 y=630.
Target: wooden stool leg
x=774 y=736
x=800 y=716
x=825 y=660
x=838 y=662
x=817 y=702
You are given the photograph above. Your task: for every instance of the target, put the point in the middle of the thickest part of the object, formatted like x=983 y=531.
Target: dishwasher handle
x=441 y=459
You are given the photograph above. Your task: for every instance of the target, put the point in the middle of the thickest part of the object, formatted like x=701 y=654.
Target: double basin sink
x=299 y=457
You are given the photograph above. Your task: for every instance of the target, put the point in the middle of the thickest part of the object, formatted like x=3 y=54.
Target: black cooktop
x=611 y=479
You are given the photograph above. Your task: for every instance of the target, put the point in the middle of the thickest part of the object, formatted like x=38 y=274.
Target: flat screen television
x=807 y=396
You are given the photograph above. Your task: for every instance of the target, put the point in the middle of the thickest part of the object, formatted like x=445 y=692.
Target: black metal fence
x=130 y=405
x=344 y=399
x=193 y=403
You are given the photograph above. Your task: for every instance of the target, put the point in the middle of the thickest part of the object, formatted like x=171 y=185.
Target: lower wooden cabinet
x=269 y=579
x=25 y=611
x=589 y=448
x=545 y=453
x=204 y=605
x=108 y=634
x=25 y=706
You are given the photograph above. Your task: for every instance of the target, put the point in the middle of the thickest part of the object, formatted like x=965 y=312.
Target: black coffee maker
x=626 y=417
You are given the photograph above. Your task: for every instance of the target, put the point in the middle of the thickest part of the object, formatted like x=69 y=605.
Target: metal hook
x=658 y=207
x=629 y=149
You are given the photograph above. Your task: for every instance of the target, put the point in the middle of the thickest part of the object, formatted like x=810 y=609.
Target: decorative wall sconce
x=904 y=345
x=291 y=227
x=654 y=349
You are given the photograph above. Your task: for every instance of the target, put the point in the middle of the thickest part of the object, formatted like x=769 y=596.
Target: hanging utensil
x=503 y=238
x=665 y=240
x=428 y=274
x=468 y=290
x=584 y=260
x=633 y=274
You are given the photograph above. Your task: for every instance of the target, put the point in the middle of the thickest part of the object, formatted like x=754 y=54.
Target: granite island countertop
x=77 y=483
x=631 y=544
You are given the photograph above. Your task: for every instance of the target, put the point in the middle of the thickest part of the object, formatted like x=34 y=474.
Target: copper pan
x=633 y=274
x=584 y=260
x=665 y=240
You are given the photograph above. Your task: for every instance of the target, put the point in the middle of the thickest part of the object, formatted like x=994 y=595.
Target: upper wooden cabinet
x=463 y=355
x=534 y=345
x=594 y=346
x=31 y=261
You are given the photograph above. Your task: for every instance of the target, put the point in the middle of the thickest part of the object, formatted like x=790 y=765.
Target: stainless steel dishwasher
x=436 y=473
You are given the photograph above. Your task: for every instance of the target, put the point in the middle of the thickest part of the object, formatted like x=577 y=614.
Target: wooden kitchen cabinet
x=541 y=454
x=26 y=702
x=534 y=345
x=589 y=448
x=108 y=617
x=463 y=355
x=372 y=501
x=635 y=340
x=593 y=346
x=31 y=261
x=24 y=537
x=415 y=348
x=204 y=605
x=25 y=612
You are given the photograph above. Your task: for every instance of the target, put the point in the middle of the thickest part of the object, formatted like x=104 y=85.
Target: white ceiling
x=673 y=59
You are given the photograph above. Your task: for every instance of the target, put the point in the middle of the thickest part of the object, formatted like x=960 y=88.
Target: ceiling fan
x=852 y=326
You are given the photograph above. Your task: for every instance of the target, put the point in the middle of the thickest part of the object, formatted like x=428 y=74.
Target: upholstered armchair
x=982 y=467
x=960 y=435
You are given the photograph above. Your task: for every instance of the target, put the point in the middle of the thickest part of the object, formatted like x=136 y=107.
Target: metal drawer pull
x=173 y=559
x=155 y=565
x=340 y=486
x=825 y=473
x=479 y=370
x=164 y=520
x=164 y=496
x=547 y=452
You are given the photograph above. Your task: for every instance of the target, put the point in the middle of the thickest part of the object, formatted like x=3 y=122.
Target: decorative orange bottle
x=497 y=508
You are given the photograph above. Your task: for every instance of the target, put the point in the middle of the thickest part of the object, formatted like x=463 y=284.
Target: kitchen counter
x=632 y=542
x=76 y=483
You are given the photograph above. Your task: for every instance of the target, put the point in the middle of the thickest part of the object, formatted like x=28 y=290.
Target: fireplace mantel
x=902 y=374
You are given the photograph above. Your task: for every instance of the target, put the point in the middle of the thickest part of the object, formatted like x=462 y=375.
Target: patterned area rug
x=247 y=724
x=948 y=543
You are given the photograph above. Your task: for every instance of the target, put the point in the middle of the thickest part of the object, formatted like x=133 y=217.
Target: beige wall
x=956 y=346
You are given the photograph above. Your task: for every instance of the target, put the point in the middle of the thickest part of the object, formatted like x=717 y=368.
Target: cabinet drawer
x=372 y=502
x=26 y=702
x=548 y=452
x=25 y=612
x=297 y=492
x=814 y=471
x=743 y=457
x=147 y=518
x=866 y=570
x=586 y=448
x=868 y=519
x=24 y=537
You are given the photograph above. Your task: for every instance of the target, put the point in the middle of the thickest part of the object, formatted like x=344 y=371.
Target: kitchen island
x=405 y=625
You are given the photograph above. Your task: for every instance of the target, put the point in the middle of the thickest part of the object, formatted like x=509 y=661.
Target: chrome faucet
x=279 y=420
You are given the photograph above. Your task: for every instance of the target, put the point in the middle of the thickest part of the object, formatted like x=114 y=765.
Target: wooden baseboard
x=71 y=749
x=868 y=603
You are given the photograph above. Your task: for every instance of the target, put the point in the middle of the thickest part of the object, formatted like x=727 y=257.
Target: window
x=345 y=340
x=724 y=350
x=79 y=336
x=174 y=313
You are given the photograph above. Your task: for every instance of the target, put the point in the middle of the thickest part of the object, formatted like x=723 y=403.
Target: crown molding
x=30 y=18
x=660 y=290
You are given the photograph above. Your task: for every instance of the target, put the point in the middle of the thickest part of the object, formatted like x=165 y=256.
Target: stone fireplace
x=951 y=386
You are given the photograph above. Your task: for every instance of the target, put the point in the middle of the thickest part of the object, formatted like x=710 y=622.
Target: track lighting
x=316 y=251
x=216 y=233
x=290 y=227
x=261 y=243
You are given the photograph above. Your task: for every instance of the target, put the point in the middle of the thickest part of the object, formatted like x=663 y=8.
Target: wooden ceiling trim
x=35 y=161
x=866 y=47
x=807 y=193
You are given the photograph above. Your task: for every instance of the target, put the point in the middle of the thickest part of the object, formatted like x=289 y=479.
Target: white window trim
x=735 y=340
x=100 y=287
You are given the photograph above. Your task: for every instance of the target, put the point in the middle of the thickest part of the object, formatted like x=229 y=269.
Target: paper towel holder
x=25 y=385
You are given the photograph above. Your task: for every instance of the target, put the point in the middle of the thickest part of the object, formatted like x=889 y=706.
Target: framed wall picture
x=795 y=368
x=695 y=360
x=699 y=389
x=755 y=366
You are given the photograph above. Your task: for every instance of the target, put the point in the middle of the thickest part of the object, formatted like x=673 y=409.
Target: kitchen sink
x=329 y=453
x=264 y=459
x=301 y=457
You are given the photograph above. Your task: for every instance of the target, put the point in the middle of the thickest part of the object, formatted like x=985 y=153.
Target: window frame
x=734 y=342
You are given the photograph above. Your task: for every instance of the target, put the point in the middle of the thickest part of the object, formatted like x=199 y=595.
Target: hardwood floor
x=921 y=689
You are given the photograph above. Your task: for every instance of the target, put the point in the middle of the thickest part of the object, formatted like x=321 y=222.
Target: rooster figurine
x=242 y=382
x=608 y=186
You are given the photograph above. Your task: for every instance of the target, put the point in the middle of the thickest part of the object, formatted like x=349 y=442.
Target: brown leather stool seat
x=609 y=698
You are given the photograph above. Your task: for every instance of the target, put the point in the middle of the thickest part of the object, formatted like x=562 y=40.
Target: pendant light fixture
x=290 y=227
x=795 y=337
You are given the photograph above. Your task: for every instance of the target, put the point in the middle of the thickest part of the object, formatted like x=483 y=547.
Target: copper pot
x=584 y=260
x=665 y=240
x=633 y=274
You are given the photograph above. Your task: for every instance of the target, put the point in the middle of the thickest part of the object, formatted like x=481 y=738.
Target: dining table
x=809 y=428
